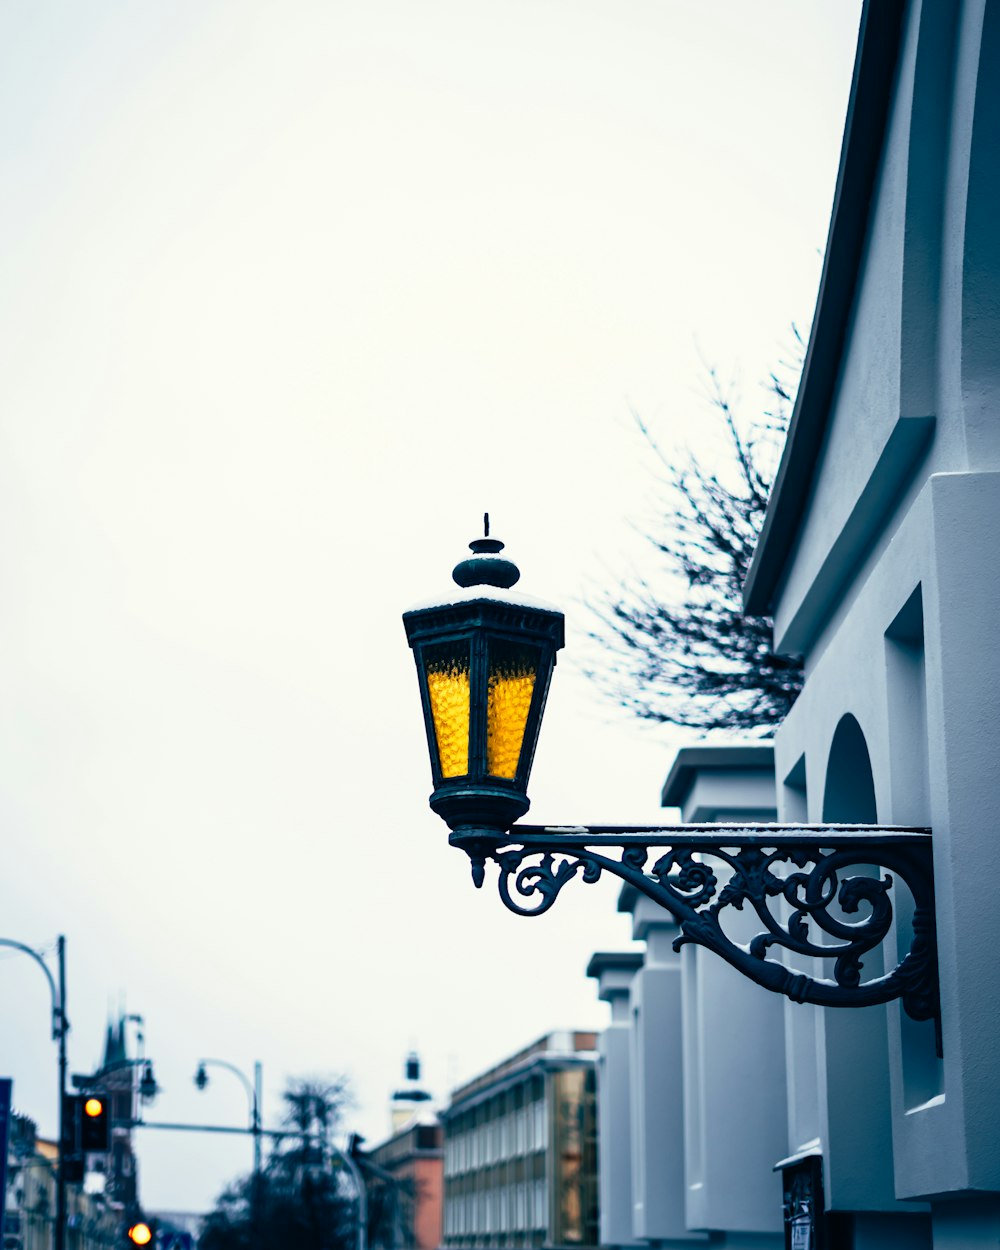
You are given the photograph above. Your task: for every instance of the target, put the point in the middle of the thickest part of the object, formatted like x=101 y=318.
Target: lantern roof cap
x=485 y=576
x=454 y=596
x=486 y=566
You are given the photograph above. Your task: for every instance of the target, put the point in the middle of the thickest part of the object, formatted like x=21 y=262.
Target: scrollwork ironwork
x=812 y=889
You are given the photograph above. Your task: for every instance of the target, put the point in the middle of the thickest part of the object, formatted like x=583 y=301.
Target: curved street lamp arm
x=60 y=1027
x=60 y=1024
x=244 y=1080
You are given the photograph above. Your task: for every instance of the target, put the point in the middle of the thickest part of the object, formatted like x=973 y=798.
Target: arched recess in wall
x=981 y=261
x=926 y=187
x=849 y=794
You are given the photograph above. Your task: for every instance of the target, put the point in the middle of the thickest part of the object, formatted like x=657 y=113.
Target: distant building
x=520 y=1142
x=405 y=1188
x=30 y=1200
x=411 y=1098
x=116 y=1079
x=404 y=1175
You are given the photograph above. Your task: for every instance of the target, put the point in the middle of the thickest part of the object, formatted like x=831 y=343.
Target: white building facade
x=752 y=1121
x=691 y=1076
x=880 y=564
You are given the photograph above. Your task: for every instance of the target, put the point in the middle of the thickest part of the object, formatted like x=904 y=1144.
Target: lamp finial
x=486 y=567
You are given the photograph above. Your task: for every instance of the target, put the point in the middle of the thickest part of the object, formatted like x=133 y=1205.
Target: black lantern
x=484 y=660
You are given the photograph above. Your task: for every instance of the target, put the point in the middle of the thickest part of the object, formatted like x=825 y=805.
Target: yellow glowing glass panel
x=93 y=1107
x=513 y=669
x=448 y=691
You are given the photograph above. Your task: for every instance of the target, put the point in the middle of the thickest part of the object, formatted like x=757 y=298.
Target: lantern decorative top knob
x=486 y=567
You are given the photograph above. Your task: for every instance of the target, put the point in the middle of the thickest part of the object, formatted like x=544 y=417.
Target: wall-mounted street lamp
x=484 y=659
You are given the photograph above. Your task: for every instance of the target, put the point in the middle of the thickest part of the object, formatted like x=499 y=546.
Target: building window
x=540 y=1220
x=538 y=1116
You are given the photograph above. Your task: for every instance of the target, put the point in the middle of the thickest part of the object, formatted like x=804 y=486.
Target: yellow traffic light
x=93 y=1107
x=140 y=1234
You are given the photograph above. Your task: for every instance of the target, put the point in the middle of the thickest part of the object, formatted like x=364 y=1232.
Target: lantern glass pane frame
x=513 y=669
x=481 y=643
x=446 y=687
x=475 y=627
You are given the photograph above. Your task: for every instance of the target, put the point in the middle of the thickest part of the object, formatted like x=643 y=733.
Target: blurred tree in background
x=306 y=1195
x=682 y=651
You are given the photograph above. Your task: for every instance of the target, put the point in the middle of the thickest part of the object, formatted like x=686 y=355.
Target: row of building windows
x=516 y=1132
x=521 y=1094
x=521 y=1208
x=509 y=1172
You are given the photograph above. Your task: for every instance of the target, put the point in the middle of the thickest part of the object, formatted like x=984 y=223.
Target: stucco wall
x=919 y=380
x=888 y=585
x=926 y=693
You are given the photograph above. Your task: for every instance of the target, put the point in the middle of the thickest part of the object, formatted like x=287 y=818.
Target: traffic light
x=141 y=1233
x=86 y=1128
x=70 y=1156
x=72 y=1113
x=95 y=1123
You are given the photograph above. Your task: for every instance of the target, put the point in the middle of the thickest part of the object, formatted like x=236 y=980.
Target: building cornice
x=864 y=133
x=536 y=1065
x=690 y=761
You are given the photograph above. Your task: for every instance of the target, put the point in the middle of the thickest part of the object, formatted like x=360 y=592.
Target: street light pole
x=254 y=1095
x=256 y=1128
x=362 y=1191
x=60 y=1028
x=257 y=1174
x=61 y=1166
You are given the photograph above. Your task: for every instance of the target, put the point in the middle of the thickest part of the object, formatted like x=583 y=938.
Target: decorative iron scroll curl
x=792 y=878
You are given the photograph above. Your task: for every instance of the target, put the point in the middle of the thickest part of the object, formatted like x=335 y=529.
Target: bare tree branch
x=692 y=658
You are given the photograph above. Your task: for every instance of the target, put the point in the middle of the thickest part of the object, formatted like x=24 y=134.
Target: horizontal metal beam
x=717 y=835
x=218 y=1128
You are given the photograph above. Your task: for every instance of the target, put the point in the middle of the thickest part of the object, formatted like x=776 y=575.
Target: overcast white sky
x=289 y=295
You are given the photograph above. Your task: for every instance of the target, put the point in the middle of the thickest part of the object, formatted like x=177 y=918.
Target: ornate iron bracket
x=706 y=869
